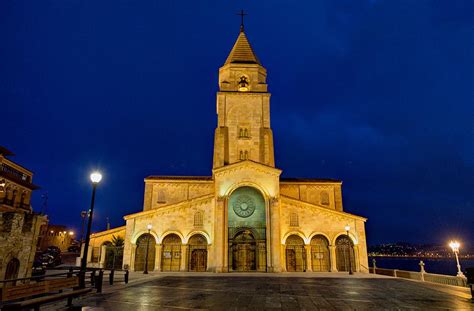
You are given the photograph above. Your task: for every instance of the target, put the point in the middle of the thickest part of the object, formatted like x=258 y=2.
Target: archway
x=295 y=254
x=13 y=267
x=320 y=254
x=244 y=252
x=171 y=253
x=197 y=254
x=247 y=250
x=145 y=243
x=344 y=254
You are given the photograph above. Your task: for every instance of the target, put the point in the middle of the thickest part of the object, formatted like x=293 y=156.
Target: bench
x=54 y=290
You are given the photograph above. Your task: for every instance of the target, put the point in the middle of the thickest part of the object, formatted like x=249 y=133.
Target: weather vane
x=242 y=14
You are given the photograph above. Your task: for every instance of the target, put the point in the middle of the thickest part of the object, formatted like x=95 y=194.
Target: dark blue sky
x=378 y=93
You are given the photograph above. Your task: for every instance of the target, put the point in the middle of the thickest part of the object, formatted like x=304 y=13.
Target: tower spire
x=242 y=14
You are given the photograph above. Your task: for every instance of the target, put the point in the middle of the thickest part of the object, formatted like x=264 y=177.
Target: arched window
x=324 y=198
x=246 y=155
x=13 y=267
x=198 y=219
x=294 y=220
x=241 y=155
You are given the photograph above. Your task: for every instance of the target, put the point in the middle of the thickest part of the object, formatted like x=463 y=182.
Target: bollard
x=92 y=278
x=111 y=277
x=69 y=274
x=126 y=277
x=82 y=279
x=99 y=280
x=422 y=270
x=374 y=266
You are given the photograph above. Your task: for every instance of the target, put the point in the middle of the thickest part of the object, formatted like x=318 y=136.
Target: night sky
x=378 y=94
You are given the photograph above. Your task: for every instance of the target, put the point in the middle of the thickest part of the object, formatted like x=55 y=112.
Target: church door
x=244 y=252
x=345 y=254
x=290 y=260
x=171 y=254
x=197 y=253
x=295 y=254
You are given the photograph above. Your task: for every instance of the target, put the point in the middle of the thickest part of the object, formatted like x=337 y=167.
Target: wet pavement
x=275 y=293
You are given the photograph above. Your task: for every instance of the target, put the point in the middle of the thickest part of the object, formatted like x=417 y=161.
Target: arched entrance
x=295 y=254
x=197 y=254
x=344 y=253
x=247 y=230
x=13 y=267
x=244 y=252
x=171 y=253
x=144 y=242
x=320 y=254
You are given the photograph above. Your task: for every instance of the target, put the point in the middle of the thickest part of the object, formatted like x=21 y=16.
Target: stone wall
x=325 y=194
x=18 y=239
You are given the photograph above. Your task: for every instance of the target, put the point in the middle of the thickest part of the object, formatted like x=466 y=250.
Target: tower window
x=161 y=197
x=243 y=84
x=244 y=132
x=244 y=155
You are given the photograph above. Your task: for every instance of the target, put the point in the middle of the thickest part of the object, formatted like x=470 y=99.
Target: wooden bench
x=54 y=290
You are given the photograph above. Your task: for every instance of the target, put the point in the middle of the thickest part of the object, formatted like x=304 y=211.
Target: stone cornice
x=165 y=208
x=247 y=164
x=296 y=202
x=106 y=232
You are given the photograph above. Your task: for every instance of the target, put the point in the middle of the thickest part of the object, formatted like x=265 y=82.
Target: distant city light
x=71 y=232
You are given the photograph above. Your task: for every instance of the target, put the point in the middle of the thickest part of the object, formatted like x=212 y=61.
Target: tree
x=118 y=241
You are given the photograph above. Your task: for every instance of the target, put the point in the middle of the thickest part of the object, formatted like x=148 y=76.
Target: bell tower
x=243 y=109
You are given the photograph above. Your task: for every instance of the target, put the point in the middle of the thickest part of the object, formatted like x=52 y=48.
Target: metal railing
x=91 y=278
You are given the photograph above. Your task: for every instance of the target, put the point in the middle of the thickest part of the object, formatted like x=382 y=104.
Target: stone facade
x=19 y=226
x=244 y=217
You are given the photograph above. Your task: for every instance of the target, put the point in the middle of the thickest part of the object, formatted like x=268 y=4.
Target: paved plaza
x=281 y=292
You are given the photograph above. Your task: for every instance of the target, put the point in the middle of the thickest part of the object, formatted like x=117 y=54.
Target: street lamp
x=350 y=248
x=96 y=177
x=145 y=271
x=455 y=247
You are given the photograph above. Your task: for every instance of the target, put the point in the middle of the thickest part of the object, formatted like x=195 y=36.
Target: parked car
x=38 y=268
x=74 y=249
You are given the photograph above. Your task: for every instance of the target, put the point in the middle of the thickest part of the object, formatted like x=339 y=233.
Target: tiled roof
x=309 y=180
x=242 y=52
x=181 y=177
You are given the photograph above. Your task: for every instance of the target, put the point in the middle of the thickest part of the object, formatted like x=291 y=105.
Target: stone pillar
x=332 y=250
x=103 y=250
x=158 y=257
x=219 y=236
x=309 y=259
x=283 y=257
x=184 y=257
x=132 y=257
x=274 y=209
x=356 y=258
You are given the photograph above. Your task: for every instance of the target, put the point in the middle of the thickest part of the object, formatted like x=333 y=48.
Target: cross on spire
x=242 y=14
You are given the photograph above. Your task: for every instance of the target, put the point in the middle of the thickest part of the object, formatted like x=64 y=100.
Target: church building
x=243 y=216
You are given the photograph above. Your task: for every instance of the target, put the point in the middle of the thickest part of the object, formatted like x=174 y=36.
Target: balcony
x=10 y=203
x=16 y=176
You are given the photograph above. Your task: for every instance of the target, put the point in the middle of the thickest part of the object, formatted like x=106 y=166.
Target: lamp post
x=455 y=247
x=145 y=271
x=350 y=248
x=96 y=177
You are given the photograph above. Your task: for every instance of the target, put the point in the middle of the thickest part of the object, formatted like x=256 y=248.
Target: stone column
x=132 y=257
x=103 y=250
x=158 y=248
x=283 y=257
x=309 y=259
x=356 y=258
x=332 y=250
x=219 y=236
x=183 y=263
x=275 y=235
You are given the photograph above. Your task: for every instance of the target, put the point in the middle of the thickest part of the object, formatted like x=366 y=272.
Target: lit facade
x=244 y=216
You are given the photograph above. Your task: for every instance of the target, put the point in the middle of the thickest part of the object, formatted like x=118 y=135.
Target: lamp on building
x=71 y=232
x=145 y=271
x=347 y=228
x=95 y=177
x=455 y=247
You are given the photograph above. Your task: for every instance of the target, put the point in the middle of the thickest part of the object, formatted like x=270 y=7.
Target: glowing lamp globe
x=96 y=177
x=454 y=245
x=347 y=228
x=148 y=226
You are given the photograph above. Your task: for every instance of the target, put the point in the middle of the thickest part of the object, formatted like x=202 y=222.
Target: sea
x=440 y=266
